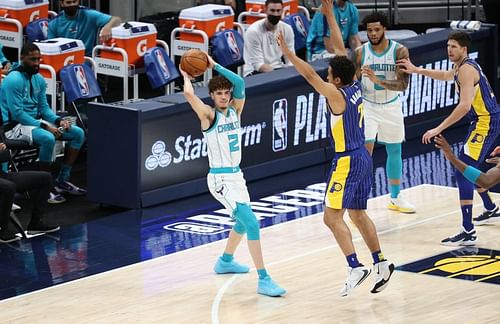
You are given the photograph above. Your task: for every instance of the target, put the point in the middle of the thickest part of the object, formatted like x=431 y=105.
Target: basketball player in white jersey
x=222 y=130
x=382 y=81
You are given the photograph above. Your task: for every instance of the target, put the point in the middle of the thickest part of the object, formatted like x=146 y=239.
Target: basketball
x=194 y=62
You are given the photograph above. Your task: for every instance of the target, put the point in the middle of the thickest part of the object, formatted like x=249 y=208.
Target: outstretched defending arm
x=407 y=66
x=484 y=180
x=333 y=95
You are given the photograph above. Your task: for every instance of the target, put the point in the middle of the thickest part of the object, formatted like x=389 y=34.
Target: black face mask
x=273 y=20
x=70 y=11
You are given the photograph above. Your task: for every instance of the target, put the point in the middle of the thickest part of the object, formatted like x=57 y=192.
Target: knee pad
x=465 y=187
x=394 y=164
x=245 y=215
x=239 y=227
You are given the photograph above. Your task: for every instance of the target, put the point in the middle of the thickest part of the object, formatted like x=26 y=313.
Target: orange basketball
x=194 y=62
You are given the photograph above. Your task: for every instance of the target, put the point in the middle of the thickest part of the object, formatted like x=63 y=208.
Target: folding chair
x=80 y=87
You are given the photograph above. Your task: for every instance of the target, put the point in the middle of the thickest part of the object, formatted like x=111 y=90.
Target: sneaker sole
x=379 y=286
x=401 y=210
x=490 y=220
x=43 y=232
x=459 y=243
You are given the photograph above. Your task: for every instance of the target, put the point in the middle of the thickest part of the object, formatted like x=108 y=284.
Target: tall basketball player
x=350 y=178
x=479 y=103
x=221 y=128
x=382 y=81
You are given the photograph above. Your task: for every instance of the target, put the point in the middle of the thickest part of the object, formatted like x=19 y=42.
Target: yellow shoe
x=401 y=205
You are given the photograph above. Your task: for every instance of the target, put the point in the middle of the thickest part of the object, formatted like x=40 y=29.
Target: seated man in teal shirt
x=82 y=23
x=27 y=116
x=318 y=38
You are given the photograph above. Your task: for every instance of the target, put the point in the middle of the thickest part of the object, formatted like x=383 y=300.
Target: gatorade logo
x=142 y=47
x=220 y=26
x=34 y=15
x=69 y=60
x=286 y=10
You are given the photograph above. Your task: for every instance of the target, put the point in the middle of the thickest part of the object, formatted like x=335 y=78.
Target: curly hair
x=376 y=16
x=219 y=83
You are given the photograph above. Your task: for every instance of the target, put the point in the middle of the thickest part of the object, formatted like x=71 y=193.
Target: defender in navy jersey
x=349 y=181
x=478 y=102
x=222 y=130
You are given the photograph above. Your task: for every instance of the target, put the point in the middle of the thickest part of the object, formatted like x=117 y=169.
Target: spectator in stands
x=26 y=115
x=38 y=183
x=5 y=64
x=79 y=22
x=262 y=53
x=318 y=39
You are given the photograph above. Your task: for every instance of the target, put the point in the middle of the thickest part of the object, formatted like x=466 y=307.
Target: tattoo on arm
x=402 y=79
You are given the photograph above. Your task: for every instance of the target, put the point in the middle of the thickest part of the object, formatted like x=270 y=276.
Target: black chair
x=5 y=156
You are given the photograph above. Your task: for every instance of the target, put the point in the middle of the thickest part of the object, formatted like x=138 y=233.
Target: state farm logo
x=159 y=158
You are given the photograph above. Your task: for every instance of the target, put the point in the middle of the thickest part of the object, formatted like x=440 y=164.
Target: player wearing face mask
x=79 y=22
x=262 y=53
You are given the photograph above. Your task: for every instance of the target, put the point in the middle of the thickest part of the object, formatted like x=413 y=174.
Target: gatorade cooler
x=25 y=10
x=210 y=18
x=59 y=52
x=135 y=38
x=289 y=7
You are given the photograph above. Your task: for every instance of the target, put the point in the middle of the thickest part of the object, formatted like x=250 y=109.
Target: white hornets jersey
x=384 y=66
x=224 y=140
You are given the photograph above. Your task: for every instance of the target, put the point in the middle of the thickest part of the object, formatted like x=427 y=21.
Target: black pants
x=38 y=183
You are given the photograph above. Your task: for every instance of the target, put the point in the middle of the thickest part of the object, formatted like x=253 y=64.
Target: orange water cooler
x=59 y=52
x=24 y=10
x=135 y=38
x=209 y=18
x=289 y=7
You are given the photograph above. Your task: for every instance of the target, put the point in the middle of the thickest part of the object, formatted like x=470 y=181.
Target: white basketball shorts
x=384 y=122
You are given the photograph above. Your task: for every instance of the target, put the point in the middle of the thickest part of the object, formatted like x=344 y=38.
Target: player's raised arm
x=336 y=39
x=204 y=112
x=312 y=77
x=236 y=80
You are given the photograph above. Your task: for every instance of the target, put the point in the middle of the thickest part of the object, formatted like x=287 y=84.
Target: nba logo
x=233 y=46
x=280 y=124
x=82 y=80
x=299 y=25
x=162 y=64
x=44 y=27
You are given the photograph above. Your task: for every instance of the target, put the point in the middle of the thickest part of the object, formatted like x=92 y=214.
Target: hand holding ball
x=194 y=62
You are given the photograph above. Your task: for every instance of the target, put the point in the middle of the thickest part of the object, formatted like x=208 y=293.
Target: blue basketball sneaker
x=463 y=238
x=222 y=266
x=269 y=288
x=487 y=217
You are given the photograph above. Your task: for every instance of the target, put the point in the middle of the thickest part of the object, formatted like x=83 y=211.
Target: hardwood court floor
x=303 y=257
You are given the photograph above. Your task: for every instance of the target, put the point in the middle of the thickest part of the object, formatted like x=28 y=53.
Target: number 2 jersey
x=224 y=140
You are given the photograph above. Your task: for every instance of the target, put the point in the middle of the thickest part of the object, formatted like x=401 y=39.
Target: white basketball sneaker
x=382 y=272
x=355 y=276
x=401 y=205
